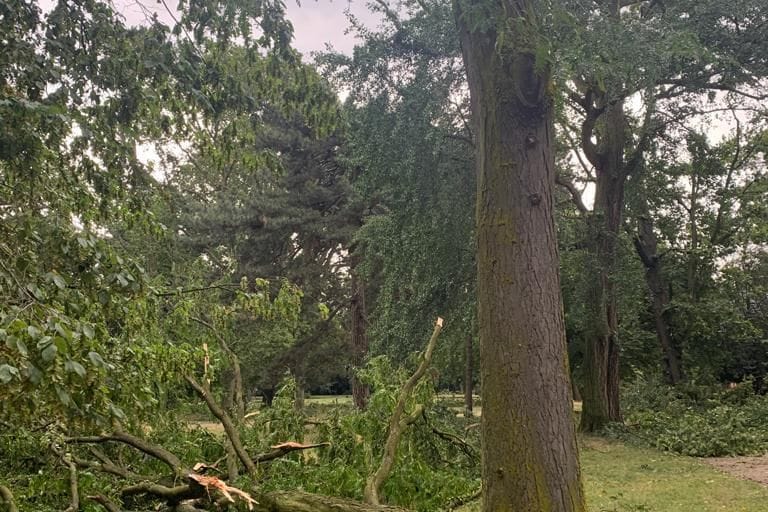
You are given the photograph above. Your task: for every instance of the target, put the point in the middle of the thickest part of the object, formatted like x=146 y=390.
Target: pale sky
x=315 y=22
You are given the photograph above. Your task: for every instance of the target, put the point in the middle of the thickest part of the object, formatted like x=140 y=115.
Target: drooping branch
x=398 y=422
x=7 y=497
x=226 y=422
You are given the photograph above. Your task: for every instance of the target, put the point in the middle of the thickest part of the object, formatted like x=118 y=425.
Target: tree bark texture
x=646 y=246
x=358 y=340
x=600 y=392
x=530 y=457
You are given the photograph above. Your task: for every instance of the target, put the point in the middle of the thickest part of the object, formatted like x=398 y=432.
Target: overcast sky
x=315 y=22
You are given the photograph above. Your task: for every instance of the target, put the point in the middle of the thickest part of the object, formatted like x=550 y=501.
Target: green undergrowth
x=701 y=421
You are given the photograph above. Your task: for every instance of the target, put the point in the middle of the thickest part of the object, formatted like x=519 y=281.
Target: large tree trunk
x=601 y=352
x=646 y=247
x=358 y=339
x=530 y=458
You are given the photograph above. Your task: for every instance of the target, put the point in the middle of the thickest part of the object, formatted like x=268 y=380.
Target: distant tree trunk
x=601 y=352
x=358 y=338
x=468 y=376
x=267 y=396
x=646 y=247
x=575 y=390
x=298 y=397
x=530 y=458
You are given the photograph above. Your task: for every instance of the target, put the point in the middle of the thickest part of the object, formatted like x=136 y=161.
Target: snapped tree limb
x=399 y=421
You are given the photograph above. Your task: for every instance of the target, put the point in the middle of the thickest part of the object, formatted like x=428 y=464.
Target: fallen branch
x=280 y=450
x=74 y=491
x=152 y=450
x=398 y=423
x=226 y=422
x=7 y=498
x=172 y=495
x=227 y=492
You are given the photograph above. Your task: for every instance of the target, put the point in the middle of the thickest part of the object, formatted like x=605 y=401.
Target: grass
x=621 y=478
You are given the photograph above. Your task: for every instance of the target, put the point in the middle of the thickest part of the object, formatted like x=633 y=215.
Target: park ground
x=622 y=478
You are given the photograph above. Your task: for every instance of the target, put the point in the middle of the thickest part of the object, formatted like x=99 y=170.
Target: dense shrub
x=703 y=421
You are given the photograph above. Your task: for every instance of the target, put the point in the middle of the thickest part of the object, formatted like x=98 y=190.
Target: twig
x=397 y=423
x=469 y=450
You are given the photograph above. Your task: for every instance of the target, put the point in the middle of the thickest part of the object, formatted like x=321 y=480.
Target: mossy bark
x=530 y=458
x=358 y=337
x=600 y=392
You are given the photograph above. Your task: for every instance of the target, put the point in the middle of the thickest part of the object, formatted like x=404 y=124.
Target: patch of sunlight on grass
x=621 y=478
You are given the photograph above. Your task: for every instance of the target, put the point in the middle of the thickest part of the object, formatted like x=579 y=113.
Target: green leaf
x=88 y=331
x=22 y=348
x=7 y=373
x=35 y=375
x=49 y=353
x=97 y=360
x=33 y=331
x=63 y=395
x=74 y=366
x=59 y=281
x=116 y=412
x=44 y=342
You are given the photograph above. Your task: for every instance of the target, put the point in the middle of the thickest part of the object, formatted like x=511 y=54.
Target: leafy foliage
x=697 y=420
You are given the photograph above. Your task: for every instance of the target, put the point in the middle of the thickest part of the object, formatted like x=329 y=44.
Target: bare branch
x=574 y=192
x=716 y=87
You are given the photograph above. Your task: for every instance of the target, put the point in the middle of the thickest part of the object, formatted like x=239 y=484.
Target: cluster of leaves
x=430 y=471
x=696 y=420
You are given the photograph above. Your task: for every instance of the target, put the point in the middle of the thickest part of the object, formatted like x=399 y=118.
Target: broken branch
x=398 y=422
x=226 y=422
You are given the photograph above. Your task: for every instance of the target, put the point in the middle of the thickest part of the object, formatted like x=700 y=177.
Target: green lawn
x=620 y=478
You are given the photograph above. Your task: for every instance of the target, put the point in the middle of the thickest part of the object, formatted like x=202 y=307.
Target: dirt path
x=747 y=468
